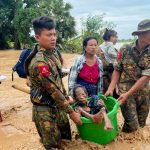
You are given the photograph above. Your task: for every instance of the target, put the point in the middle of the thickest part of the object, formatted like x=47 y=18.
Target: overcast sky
x=126 y=14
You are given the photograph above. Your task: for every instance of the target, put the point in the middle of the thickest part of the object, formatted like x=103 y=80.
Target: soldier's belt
x=43 y=97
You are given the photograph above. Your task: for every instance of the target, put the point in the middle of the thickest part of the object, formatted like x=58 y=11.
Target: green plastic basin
x=93 y=132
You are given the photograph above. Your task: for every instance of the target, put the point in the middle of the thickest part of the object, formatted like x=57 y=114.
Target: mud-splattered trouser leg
x=135 y=111
x=52 y=126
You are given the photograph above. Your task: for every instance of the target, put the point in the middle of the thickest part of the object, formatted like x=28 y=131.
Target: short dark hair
x=41 y=23
x=76 y=87
x=108 y=34
x=85 y=41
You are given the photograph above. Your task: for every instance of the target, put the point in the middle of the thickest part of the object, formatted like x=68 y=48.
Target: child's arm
x=84 y=113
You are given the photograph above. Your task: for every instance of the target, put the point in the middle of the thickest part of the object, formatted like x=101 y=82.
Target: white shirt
x=109 y=51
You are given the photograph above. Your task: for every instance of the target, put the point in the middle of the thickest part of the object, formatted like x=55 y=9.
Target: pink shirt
x=90 y=73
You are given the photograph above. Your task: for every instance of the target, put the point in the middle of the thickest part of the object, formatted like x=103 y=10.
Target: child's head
x=45 y=33
x=80 y=93
x=110 y=36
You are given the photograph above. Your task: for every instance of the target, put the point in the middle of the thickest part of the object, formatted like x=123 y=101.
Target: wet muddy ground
x=17 y=131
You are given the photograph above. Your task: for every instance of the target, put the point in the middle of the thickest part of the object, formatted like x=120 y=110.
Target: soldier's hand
x=71 y=100
x=75 y=117
x=123 y=98
x=109 y=93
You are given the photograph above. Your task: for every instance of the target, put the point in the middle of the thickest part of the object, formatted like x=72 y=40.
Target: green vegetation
x=126 y=40
x=16 y=24
x=16 y=20
x=91 y=26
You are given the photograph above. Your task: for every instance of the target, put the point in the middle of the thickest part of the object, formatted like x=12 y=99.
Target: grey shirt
x=109 y=51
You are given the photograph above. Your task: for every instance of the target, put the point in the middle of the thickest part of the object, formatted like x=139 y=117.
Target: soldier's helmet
x=143 y=27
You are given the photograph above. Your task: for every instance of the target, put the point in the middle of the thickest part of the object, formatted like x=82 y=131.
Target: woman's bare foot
x=108 y=125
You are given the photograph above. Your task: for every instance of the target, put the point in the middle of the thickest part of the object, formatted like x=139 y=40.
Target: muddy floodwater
x=17 y=131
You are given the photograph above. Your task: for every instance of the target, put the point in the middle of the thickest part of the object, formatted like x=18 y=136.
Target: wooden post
x=25 y=90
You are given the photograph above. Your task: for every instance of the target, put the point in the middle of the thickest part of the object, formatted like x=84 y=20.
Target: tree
x=25 y=12
x=6 y=16
x=60 y=11
x=94 y=26
x=16 y=20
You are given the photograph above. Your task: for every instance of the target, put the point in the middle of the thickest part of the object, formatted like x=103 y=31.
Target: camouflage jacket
x=130 y=70
x=46 y=80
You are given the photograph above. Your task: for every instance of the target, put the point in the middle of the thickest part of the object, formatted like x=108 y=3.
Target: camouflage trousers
x=52 y=125
x=135 y=111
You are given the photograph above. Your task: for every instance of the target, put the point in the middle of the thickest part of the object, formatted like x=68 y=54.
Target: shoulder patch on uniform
x=118 y=56
x=44 y=70
x=121 y=52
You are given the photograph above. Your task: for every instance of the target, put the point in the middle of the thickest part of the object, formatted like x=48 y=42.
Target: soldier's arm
x=138 y=85
x=43 y=75
x=144 y=79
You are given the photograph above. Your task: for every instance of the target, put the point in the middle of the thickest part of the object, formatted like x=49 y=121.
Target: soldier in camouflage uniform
x=49 y=98
x=133 y=70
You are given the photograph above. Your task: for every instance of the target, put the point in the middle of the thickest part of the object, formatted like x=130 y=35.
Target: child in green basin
x=94 y=109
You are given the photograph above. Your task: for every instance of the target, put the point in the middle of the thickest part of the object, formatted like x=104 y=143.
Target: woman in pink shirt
x=87 y=69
